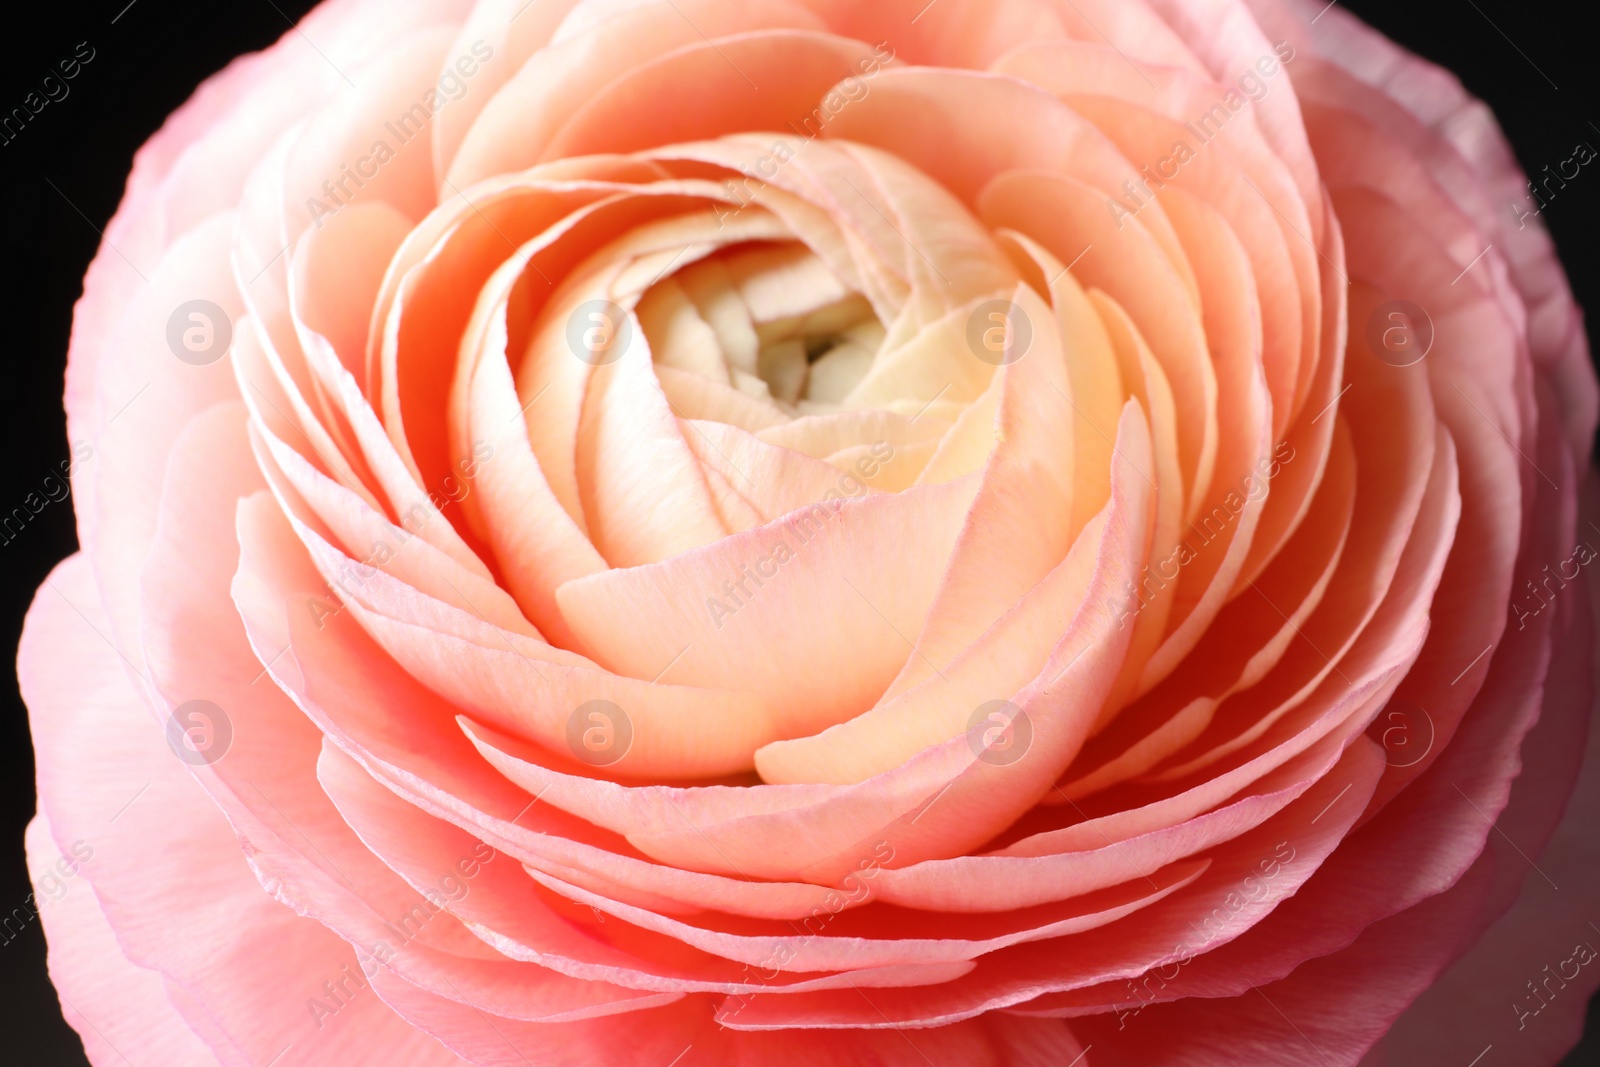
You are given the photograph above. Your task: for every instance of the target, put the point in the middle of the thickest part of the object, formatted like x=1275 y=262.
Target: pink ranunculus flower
x=709 y=532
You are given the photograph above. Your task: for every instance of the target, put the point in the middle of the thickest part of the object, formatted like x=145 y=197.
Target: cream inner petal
x=768 y=318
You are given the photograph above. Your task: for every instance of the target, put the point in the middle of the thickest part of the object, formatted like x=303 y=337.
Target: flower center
x=769 y=319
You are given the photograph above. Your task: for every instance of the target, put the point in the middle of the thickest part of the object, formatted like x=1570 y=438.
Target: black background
x=1531 y=61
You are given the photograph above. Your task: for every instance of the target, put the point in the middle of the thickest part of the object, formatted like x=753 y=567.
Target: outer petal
x=112 y=1003
x=178 y=892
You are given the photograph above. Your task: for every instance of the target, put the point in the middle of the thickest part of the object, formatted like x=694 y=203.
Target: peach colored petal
x=127 y=1006
x=516 y=124
x=527 y=686
x=226 y=949
x=1069 y=220
x=830 y=579
x=801 y=537
x=1165 y=932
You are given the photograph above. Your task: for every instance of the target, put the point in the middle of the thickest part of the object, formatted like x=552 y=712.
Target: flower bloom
x=822 y=531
